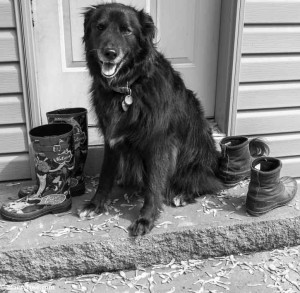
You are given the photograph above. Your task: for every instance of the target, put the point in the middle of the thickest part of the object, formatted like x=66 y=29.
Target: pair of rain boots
x=60 y=151
x=243 y=159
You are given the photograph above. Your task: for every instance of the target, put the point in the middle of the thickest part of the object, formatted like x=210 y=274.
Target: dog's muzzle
x=111 y=61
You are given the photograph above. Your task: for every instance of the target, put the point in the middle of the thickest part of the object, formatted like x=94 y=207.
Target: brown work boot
x=267 y=190
x=237 y=153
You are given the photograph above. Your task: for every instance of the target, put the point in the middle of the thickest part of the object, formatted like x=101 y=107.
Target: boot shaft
x=52 y=141
x=235 y=148
x=54 y=156
x=77 y=117
x=235 y=160
x=265 y=178
x=265 y=171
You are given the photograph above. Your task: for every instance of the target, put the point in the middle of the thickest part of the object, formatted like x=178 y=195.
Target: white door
x=188 y=34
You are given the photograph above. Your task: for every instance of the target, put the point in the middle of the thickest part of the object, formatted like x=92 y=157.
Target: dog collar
x=127 y=100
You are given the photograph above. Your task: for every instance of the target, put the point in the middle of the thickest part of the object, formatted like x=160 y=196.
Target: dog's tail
x=258 y=147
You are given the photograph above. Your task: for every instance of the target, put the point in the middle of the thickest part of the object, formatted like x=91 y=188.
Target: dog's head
x=117 y=38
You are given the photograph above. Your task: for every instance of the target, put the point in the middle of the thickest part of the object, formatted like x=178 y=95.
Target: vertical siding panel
x=13 y=139
x=271 y=39
x=277 y=11
x=7 y=14
x=14 y=154
x=270 y=68
x=8 y=46
x=269 y=92
x=10 y=77
x=269 y=95
x=12 y=109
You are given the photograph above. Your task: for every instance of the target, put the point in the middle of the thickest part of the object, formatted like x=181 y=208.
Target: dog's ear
x=87 y=13
x=147 y=24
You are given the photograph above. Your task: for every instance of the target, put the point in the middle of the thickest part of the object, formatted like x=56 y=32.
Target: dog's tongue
x=108 y=68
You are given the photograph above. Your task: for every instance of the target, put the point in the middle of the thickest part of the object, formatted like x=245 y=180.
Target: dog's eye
x=100 y=27
x=125 y=30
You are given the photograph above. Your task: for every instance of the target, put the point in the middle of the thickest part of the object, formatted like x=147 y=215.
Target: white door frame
x=23 y=18
x=231 y=31
x=231 y=27
x=24 y=9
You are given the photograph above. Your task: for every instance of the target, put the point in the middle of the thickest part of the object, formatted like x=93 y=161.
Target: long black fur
x=163 y=143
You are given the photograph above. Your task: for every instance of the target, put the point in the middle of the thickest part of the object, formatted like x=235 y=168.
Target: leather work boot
x=267 y=190
x=54 y=163
x=237 y=153
x=77 y=117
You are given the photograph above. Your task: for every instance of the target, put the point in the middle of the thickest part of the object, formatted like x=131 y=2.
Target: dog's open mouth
x=110 y=69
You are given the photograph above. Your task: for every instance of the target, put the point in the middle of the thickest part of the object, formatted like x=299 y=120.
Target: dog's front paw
x=91 y=210
x=141 y=227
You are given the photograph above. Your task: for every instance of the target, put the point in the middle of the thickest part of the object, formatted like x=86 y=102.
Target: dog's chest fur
x=117 y=125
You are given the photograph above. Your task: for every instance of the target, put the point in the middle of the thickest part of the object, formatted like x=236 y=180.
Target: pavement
x=56 y=246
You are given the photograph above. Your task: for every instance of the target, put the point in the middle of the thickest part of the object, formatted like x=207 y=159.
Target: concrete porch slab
x=57 y=246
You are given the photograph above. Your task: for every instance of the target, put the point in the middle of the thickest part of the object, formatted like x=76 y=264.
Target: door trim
x=231 y=31
x=26 y=41
x=28 y=70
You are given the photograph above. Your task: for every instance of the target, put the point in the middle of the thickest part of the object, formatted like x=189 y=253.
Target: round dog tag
x=128 y=100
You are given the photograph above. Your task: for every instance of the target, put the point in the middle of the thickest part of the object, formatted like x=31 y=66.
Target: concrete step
x=63 y=246
x=263 y=272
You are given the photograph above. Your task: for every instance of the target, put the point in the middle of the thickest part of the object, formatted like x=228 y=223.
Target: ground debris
x=91 y=228
x=121 y=227
x=14 y=232
x=210 y=207
x=180 y=217
x=60 y=232
x=164 y=224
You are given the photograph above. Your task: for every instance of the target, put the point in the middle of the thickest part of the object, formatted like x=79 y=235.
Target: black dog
x=155 y=132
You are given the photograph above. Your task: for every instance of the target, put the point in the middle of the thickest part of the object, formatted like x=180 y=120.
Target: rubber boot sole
x=264 y=211
x=47 y=210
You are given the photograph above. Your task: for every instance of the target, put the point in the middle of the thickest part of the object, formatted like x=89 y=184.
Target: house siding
x=268 y=103
x=14 y=155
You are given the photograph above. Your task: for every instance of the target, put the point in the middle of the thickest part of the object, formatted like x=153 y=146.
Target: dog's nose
x=110 y=54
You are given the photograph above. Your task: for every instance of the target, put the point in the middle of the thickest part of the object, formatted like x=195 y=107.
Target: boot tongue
x=108 y=68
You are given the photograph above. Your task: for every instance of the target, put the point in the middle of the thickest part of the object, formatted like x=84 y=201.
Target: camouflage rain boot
x=77 y=117
x=237 y=153
x=54 y=163
x=267 y=190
